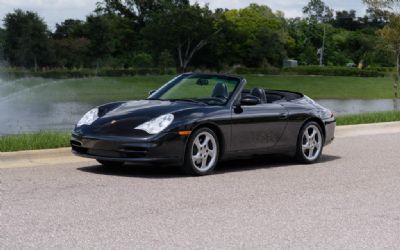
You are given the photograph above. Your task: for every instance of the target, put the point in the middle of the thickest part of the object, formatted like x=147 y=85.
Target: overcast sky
x=55 y=11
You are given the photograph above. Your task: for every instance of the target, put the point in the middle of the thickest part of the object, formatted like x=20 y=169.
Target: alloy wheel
x=204 y=151
x=311 y=142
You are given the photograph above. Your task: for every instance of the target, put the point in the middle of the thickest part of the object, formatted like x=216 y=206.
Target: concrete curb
x=367 y=129
x=54 y=157
x=36 y=158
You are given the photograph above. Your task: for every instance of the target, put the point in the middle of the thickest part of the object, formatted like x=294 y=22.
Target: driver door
x=257 y=127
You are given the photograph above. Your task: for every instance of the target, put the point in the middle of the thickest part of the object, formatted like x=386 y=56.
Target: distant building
x=290 y=63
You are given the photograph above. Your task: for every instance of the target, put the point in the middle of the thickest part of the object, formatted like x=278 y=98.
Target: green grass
x=318 y=87
x=366 y=118
x=328 y=87
x=107 y=89
x=43 y=140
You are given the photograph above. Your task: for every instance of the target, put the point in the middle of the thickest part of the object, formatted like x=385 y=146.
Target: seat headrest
x=260 y=93
x=220 y=91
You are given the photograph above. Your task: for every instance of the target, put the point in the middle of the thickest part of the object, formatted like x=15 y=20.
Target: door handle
x=283 y=116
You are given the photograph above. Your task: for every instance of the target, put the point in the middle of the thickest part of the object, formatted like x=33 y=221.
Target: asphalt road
x=351 y=200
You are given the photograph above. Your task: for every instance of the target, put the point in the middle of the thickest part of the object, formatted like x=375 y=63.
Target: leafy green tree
x=138 y=11
x=391 y=32
x=69 y=28
x=165 y=60
x=142 y=60
x=2 y=42
x=101 y=34
x=262 y=35
x=188 y=29
x=69 y=43
x=346 y=20
x=71 y=52
x=317 y=10
x=26 y=39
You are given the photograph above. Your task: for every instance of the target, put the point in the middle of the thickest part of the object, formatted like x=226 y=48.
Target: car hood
x=145 y=109
x=122 y=117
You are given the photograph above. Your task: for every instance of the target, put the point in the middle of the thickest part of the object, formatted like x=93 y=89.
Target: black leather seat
x=260 y=93
x=220 y=91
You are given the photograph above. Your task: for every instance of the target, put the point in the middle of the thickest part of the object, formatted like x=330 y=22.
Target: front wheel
x=202 y=152
x=110 y=163
x=310 y=143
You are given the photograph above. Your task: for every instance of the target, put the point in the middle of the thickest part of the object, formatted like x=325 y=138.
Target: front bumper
x=167 y=148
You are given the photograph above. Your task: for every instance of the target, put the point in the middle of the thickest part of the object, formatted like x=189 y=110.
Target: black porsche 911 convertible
x=195 y=120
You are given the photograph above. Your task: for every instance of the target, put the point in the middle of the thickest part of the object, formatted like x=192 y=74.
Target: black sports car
x=195 y=120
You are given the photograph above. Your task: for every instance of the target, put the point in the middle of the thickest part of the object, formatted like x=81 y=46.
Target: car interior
x=271 y=96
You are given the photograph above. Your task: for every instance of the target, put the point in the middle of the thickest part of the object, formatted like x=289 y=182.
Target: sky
x=56 y=11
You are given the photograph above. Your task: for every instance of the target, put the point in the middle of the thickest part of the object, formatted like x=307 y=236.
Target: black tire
x=110 y=163
x=303 y=154
x=209 y=153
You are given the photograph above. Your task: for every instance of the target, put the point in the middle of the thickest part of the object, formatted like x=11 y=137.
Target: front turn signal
x=184 y=133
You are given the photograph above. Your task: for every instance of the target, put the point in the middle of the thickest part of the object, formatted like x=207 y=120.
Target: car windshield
x=208 y=89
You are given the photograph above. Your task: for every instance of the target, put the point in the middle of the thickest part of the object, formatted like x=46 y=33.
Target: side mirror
x=152 y=91
x=250 y=100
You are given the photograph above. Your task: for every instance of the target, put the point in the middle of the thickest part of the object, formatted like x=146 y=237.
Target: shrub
x=264 y=71
x=332 y=71
x=142 y=60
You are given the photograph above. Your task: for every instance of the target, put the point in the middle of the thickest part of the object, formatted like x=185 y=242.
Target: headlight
x=89 y=117
x=157 y=125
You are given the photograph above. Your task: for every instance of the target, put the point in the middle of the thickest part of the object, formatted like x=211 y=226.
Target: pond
x=345 y=107
x=34 y=104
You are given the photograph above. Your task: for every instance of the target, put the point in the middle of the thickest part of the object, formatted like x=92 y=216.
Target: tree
x=391 y=32
x=317 y=10
x=188 y=29
x=2 y=42
x=71 y=52
x=346 y=20
x=139 y=11
x=391 y=35
x=261 y=37
x=100 y=31
x=165 y=60
x=70 y=28
x=26 y=39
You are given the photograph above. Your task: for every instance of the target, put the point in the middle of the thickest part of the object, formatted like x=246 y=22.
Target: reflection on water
x=343 y=107
x=35 y=104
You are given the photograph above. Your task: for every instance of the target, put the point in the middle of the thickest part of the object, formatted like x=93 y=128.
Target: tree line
x=176 y=33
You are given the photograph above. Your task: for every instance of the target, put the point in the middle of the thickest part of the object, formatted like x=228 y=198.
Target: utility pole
x=321 y=54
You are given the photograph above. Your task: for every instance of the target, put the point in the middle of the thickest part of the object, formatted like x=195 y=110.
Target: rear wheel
x=110 y=163
x=310 y=143
x=202 y=152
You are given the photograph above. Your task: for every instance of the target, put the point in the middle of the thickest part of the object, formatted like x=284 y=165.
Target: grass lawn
x=43 y=140
x=107 y=89
x=318 y=87
x=328 y=87
x=366 y=118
